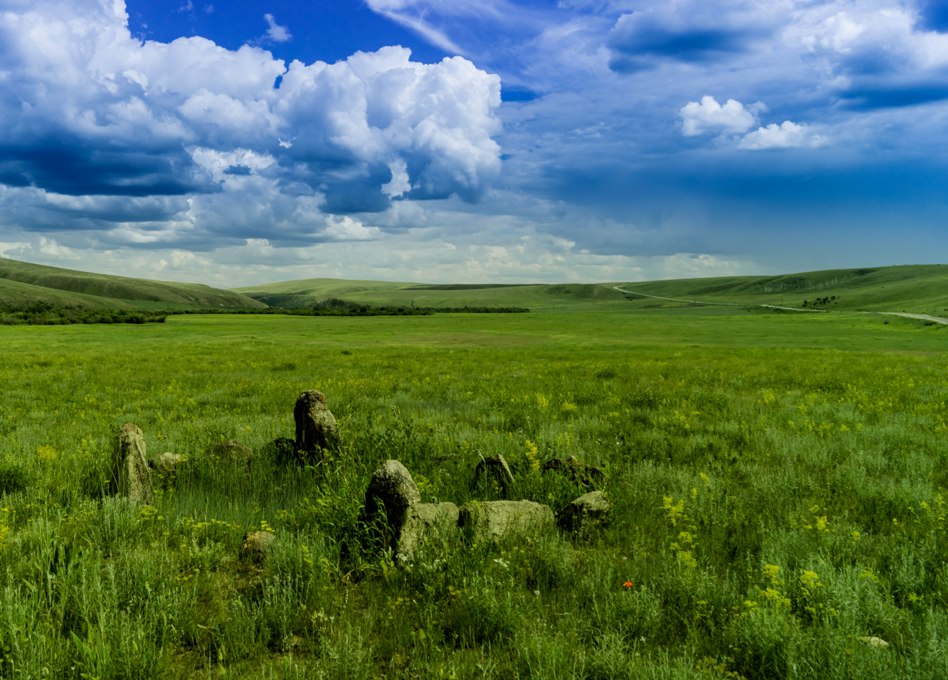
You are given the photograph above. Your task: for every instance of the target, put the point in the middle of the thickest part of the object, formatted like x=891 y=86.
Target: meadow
x=778 y=485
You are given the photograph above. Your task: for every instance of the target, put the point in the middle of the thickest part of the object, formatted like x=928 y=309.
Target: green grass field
x=778 y=487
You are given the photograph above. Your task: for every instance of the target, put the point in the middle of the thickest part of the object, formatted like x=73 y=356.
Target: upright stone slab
x=391 y=492
x=315 y=425
x=498 y=521
x=131 y=476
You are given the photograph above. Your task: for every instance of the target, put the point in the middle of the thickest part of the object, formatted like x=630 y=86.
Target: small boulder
x=576 y=471
x=873 y=641
x=497 y=521
x=316 y=428
x=493 y=470
x=256 y=545
x=586 y=515
x=131 y=475
x=281 y=450
x=167 y=464
x=231 y=450
x=425 y=525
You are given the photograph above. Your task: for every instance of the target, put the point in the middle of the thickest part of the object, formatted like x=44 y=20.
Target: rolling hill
x=532 y=296
x=910 y=288
x=24 y=285
x=907 y=288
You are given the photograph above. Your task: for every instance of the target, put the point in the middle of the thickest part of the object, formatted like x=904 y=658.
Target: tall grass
x=778 y=492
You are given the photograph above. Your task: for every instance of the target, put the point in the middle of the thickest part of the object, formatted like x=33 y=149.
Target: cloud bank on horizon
x=570 y=140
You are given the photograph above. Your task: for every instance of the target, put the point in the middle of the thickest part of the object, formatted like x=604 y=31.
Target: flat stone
x=425 y=525
x=497 y=521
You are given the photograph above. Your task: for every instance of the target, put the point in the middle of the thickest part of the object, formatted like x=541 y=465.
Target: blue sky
x=472 y=140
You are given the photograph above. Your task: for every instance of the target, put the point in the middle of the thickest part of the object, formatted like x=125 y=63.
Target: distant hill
x=24 y=285
x=290 y=294
x=914 y=288
x=908 y=288
x=911 y=288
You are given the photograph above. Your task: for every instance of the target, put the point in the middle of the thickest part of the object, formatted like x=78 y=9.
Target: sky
x=510 y=141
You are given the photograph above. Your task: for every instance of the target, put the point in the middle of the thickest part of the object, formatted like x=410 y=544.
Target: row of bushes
x=66 y=316
x=47 y=314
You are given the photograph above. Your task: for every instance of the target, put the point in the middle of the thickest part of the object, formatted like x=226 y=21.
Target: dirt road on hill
x=908 y=315
x=670 y=299
x=921 y=317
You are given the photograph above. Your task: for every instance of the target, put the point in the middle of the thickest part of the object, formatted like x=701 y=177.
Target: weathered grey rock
x=576 y=471
x=131 y=476
x=231 y=450
x=425 y=525
x=494 y=470
x=256 y=545
x=586 y=515
x=315 y=425
x=390 y=493
x=496 y=521
x=167 y=464
x=388 y=497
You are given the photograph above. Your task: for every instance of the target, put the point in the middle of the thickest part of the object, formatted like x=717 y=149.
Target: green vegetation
x=24 y=286
x=534 y=297
x=49 y=314
x=778 y=487
x=916 y=288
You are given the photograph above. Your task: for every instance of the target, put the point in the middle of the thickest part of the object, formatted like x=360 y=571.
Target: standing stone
x=497 y=521
x=315 y=425
x=585 y=515
x=391 y=492
x=131 y=476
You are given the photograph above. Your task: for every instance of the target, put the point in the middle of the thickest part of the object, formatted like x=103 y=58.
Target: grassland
x=778 y=484
x=24 y=285
x=544 y=297
x=916 y=288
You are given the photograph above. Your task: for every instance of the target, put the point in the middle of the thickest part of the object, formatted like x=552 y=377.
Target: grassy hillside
x=23 y=284
x=917 y=288
x=913 y=288
x=536 y=296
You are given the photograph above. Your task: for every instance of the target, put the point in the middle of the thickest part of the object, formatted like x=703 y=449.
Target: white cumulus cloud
x=346 y=228
x=786 y=135
x=709 y=116
x=276 y=32
x=88 y=110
